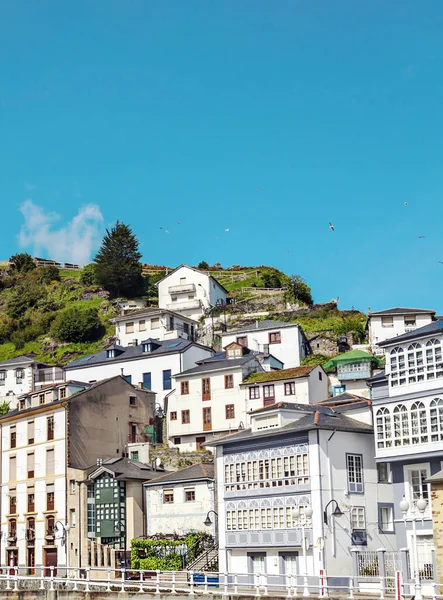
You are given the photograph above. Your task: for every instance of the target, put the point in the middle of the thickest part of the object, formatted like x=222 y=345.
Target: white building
x=408 y=413
x=190 y=292
x=351 y=371
x=285 y=341
x=24 y=374
x=179 y=502
x=386 y=324
x=155 y=323
x=297 y=456
x=300 y=385
x=150 y=364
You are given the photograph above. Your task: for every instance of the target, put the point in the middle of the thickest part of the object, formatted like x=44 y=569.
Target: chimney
x=134 y=343
x=256 y=324
x=140 y=384
x=98 y=462
x=121 y=372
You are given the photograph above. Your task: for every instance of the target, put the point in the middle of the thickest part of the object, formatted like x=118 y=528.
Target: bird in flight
x=331 y=227
x=227 y=230
x=178 y=222
x=260 y=189
x=421 y=237
x=165 y=230
x=441 y=262
x=405 y=204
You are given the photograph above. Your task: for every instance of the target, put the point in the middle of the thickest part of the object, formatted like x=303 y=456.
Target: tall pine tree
x=117 y=264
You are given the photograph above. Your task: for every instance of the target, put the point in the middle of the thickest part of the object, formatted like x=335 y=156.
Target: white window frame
x=407 y=474
x=355 y=487
x=357 y=518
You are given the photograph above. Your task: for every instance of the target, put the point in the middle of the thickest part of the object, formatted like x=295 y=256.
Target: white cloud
x=75 y=242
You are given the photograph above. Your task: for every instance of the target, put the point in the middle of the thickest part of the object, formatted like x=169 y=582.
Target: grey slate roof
x=191 y=473
x=217 y=365
x=401 y=311
x=131 y=353
x=344 y=398
x=19 y=360
x=319 y=419
x=436 y=327
x=262 y=325
x=123 y=468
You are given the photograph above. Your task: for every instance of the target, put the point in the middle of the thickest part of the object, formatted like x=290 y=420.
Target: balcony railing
x=181 y=289
x=49 y=375
x=354 y=371
x=187 y=305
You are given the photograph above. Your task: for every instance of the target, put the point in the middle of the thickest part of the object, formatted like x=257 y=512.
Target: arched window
x=419 y=423
x=30 y=529
x=416 y=369
x=434 y=364
x=436 y=420
x=384 y=428
x=401 y=425
x=12 y=528
x=398 y=367
x=50 y=525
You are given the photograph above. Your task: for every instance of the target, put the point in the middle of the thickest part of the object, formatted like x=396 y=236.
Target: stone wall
x=172 y=459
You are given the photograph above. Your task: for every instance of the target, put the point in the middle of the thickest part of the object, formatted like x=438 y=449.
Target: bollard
x=88 y=574
x=351 y=588
x=206 y=582
x=225 y=587
x=173 y=591
x=257 y=584
x=8 y=580
x=42 y=578
x=75 y=588
x=235 y=584
x=51 y=587
x=108 y=587
x=382 y=588
x=157 y=582
x=123 y=579
x=191 y=574
x=141 y=582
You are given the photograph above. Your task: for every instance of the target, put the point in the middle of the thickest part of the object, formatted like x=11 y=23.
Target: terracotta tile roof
x=293 y=373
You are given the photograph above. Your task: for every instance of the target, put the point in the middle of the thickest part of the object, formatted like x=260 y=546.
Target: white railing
x=182 y=288
x=277 y=585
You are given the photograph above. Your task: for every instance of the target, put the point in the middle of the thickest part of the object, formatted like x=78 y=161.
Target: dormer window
x=149 y=346
x=110 y=353
x=234 y=350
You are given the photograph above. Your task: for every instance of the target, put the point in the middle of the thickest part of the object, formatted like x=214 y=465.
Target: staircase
x=207 y=561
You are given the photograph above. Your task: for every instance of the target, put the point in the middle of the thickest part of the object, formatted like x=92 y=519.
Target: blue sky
x=155 y=112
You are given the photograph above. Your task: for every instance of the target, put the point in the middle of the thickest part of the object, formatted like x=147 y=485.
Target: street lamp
x=421 y=505
x=65 y=540
x=303 y=518
x=337 y=512
x=119 y=530
x=208 y=521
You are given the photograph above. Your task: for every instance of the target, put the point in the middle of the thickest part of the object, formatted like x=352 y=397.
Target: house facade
x=386 y=324
x=24 y=374
x=350 y=372
x=190 y=292
x=208 y=399
x=158 y=324
x=150 y=364
x=295 y=457
x=300 y=385
x=285 y=341
x=408 y=415
x=65 y=426
x=180 y=502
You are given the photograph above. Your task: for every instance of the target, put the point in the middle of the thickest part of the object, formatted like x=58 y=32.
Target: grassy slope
x=321 y=320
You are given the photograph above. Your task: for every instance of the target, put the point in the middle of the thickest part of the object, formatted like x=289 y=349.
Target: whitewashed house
x=300 y=385
x=386 y=324
x=295 y=457
x=208 y=400
x=150 y=364
x=351 y=371
x=179 y=502
x=190 y=292
x=62 y=427
x=23 y=374
x=285 y=341
x=408 y=414
x=155 y=323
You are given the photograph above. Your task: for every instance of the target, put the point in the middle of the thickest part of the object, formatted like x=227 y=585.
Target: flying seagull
x=420 y=237
x=260 y=189
x=227 y=230
x=405 y=204
x=331 y=227
x=441 y=262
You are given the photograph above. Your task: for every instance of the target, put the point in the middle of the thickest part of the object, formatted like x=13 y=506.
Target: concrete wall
x=99 y=421
x=437 y=518
x=358 y=387
x=156 y=326
x=11 y=388
x=378 y=333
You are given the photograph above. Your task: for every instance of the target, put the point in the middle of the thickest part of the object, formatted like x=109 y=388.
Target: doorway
x=50 y=558
x=198 y=443
x=12 y=560
x=31 y=561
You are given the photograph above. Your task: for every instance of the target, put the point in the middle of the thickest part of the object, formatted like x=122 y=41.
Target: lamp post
x=337 y=512
x=208 y=522
x=65 y=541
x=303 y=517
x=421 y=505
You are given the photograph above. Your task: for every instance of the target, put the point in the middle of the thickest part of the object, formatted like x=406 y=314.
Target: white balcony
x=181 y=289
x=187 y=305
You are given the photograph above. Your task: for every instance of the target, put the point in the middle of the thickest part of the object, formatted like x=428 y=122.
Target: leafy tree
x=76 y=325
x=117 y=264
x=203 y=265
x=354 y=324
x=23 y=297
x=22 y=263
x=298 y=290
x=4 y=408
x=271 y=280
x=88 y=276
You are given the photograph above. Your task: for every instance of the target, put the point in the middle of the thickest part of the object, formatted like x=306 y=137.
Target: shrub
x=203 y=265
x=48 y=274
x=88 y=276
x=22 y=263
x=76 y=325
